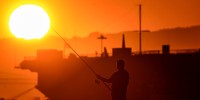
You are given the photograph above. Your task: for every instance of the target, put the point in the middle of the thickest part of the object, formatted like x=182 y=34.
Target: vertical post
x=101 y=37
x=101 y=46
x=140 y=29
x=123 y=42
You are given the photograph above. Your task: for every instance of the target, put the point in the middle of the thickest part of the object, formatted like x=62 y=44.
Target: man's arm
x=104 y=79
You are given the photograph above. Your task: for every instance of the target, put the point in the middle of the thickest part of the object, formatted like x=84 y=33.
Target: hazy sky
x=81 y=17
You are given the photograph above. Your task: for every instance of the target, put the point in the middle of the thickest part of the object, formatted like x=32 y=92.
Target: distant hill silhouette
x=177 y=38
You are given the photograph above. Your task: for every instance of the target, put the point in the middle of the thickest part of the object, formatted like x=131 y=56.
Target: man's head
x=120 y=64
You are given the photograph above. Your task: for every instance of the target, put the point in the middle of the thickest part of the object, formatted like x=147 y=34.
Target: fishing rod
x=81 y=58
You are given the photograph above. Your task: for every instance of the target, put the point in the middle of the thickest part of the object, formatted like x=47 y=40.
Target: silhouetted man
x=119 y=81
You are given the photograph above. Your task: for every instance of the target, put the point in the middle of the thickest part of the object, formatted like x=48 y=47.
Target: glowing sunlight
x=29 y=22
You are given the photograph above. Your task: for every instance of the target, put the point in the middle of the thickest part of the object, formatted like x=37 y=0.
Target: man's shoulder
x=121 y=72
x=126 y=72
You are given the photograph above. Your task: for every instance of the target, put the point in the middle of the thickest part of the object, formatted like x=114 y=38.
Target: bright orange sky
x=81 y=17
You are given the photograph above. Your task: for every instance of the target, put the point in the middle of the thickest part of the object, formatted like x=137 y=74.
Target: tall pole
x=101 y=46
x=101 y=37
x=140 y=28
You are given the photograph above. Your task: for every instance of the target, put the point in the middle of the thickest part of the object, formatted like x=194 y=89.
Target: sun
x=29 y=22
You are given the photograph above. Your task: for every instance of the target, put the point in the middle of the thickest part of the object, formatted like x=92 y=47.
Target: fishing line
x=81 y=58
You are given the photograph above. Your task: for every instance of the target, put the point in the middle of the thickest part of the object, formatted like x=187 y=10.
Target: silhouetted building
x=51 y=54
x=166 y=49
x=122 y=52
x=105 y=53
x=153 y=76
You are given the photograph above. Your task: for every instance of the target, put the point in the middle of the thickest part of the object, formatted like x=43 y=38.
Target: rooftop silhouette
x=154 y=76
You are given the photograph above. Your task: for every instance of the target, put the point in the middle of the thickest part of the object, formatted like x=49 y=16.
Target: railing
x=184 y=51
x=148 y=52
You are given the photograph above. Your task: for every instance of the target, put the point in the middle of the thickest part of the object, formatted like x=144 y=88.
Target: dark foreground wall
x=152 y=77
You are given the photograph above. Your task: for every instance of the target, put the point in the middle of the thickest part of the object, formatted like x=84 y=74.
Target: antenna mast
x=140 y=29
x=101 y=37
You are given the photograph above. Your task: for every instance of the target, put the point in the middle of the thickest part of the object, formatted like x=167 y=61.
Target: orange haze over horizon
x=79 y=18
x=80 y=22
